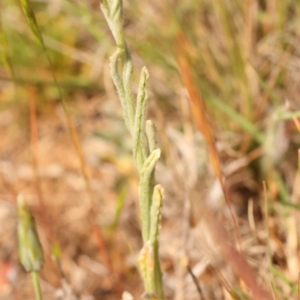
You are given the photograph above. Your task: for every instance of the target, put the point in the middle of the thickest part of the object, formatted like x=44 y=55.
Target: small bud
x=30 y=250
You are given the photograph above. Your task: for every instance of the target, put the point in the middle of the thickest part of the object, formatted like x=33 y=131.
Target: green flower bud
x=30 y=249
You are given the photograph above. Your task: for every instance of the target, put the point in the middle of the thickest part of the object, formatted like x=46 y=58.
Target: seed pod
x=30 y=250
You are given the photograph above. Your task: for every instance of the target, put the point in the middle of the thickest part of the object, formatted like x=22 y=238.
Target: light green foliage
x=126 y=105
x=145 y=191
x=113 y=12
x=30 y=249
x=150 y=132
x=139 y=150
x=156 y=208
x=144 y=153
x=127 y=74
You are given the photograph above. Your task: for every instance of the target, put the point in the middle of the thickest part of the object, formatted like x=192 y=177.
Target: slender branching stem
x=145 y=155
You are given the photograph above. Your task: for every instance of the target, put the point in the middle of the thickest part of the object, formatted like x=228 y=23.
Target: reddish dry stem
x=35 y=162
x=236 y=260
x=45 y=219
x=199 y=112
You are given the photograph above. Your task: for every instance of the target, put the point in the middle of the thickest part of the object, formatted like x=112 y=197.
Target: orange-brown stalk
x=35 y=162
x=199 y=112
x=297 y=123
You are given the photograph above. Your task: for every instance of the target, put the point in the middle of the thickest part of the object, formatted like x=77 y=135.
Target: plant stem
x=36 y=285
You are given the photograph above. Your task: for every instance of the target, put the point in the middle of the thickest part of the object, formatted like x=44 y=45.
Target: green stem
x=36 y=285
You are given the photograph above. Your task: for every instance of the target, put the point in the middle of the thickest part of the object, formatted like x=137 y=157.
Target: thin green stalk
x=32 y=23
x=36 y=285
x=4 y=50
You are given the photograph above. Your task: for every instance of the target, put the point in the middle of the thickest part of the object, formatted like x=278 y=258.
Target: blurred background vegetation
x=245 y=61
